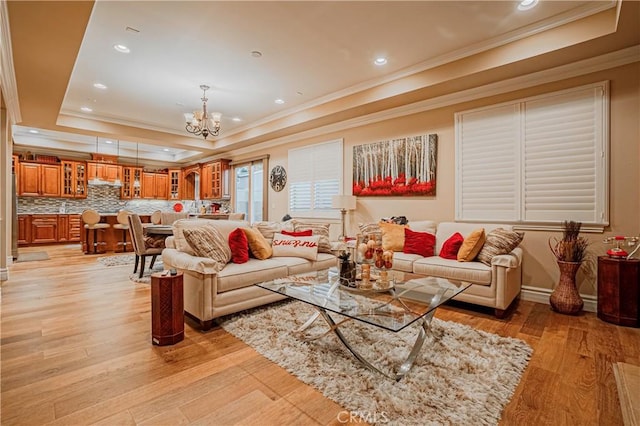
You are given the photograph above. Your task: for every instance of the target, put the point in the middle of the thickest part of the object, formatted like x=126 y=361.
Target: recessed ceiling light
x=86 y=109
x=33 y=131
x=236 y=119
x=99 y=86
x=279 y=101
x=108 y=142
x=380 y=61
x=121 y=48
x=256 y=54
x=527 y=4
x=165 y=149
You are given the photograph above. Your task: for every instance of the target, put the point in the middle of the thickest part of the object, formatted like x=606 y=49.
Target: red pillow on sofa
x=307 y=233
x=421 y=243
x=450 y=247
x=239 y=246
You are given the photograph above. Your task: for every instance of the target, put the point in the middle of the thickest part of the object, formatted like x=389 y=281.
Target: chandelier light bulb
x=202 y=123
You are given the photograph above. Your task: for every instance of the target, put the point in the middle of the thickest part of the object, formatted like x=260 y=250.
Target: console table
x=619 y=291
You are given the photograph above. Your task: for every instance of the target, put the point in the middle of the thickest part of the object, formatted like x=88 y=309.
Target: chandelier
x=202 y=122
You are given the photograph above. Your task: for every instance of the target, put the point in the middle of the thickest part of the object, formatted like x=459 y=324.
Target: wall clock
x=278 y=178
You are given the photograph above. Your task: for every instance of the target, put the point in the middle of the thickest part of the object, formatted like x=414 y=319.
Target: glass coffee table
x=411 y=298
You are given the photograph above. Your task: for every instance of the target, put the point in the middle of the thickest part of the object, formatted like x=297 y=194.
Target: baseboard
x=4 y=274
x=541 y=295
x=9 y=260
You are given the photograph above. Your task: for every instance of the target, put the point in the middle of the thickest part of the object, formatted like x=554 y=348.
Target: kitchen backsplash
x=105 y=199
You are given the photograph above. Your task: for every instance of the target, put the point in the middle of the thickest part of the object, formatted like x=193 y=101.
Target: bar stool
x=91 y=219
x=123 y=225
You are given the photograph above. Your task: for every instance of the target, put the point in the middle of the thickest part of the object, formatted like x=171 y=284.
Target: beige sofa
x=209 y=294
x=494 y=286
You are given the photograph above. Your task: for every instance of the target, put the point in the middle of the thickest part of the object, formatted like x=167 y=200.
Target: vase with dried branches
x=570 y=252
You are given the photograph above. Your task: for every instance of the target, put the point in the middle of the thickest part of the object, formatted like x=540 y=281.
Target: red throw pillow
x=307 y=233
x=450 y=247
x=421 y=243
x=239 y=246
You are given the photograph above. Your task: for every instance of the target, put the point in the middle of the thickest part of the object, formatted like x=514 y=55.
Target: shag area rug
x=462 y=376
x=129 y=259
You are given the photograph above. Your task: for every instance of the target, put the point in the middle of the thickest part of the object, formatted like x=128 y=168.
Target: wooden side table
x=619 y=291
x=167 y=309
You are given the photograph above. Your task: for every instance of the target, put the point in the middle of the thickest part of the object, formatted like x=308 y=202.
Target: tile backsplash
x=104 y=199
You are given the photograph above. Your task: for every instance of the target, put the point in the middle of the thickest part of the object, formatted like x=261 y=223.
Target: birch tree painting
x=399 y=167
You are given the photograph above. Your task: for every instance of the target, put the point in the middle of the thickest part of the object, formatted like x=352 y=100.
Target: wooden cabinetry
x=48 y=228
x=130 y=175
x=39 y=180
x=206 y=181
x=44 y=228
x=155 y=185
x=75 y=227
x=190 y=182
x=214 y=180
x=619 y=291
x=175 y=184
x=74 y=179
x=24 y=229
x=106 y=172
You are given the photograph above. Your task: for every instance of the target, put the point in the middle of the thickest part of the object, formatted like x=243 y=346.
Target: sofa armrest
x=511 y=260
x=170 y=242
x=185 y=261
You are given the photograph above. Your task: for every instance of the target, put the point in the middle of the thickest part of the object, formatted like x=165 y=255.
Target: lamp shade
x=347 y=202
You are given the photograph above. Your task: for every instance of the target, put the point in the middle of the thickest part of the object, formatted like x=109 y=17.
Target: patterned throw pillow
x=318 y=230
x=304 y=247
x=258 y=245
x=267 y=229
x=499 y=241
x=422 y=243
x=209 y=242
x=239 y=246
x=471 y=246
x=392 y=236
x=450 y=247
x=371 y=229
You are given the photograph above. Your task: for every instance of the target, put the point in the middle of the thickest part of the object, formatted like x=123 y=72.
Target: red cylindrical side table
x=167 y=309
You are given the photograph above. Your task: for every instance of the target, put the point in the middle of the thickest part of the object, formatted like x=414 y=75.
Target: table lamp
x=344 y=203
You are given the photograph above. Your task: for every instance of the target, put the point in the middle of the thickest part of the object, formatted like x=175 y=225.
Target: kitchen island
x=110 y=236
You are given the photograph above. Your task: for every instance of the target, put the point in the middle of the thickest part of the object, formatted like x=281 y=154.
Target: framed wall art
x=399 y=167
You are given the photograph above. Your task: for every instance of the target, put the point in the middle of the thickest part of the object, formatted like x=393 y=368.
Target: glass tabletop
x=412 y=296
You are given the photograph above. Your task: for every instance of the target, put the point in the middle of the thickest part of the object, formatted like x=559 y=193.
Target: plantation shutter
x=537 y=160
x=315 y=176
x=488 y=164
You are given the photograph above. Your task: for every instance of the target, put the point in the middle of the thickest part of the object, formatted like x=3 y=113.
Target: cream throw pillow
x=392 y=236
x=304 y=247
x=471 y=246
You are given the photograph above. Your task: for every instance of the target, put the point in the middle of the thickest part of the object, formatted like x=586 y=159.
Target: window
x=249 y=191
x=315 y=175
x=537 y=160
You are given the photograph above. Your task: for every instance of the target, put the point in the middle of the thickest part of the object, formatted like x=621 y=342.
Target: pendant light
x=118 y=183
x=136 y=180
x=96 y=180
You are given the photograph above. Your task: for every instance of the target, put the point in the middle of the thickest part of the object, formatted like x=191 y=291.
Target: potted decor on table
x=570 y=253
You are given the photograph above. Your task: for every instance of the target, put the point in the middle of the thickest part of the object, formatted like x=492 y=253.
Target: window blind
x=315 y=176
x=536 y=160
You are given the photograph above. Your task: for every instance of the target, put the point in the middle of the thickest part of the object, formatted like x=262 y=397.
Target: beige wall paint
x=540 y=270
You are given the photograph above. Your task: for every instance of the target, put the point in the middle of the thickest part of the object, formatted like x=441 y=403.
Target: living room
x=427 y=103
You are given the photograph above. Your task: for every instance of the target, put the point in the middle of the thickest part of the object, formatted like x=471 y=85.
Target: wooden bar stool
x=91 y=219
x=123 y=225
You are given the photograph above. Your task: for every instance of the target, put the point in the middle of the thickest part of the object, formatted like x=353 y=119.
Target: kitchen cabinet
x=68 y=227
x=44 y=228
x=75 y=227
x=74 y=179
x=24 y=229
x=175 y=184
x=39 y=180
x=155 y=185
x=129 y=190
x=212 y=180
x=107 y=172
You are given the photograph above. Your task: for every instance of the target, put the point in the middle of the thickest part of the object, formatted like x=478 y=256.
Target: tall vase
x=566 y=298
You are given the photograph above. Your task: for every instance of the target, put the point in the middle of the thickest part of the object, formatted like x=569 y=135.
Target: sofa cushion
x=471 y=245
x=258 y=245
x=267 y=229
x=421 y=243
x=208 y=242
x=239 y=246
x=392 y=236
x=371 y=230
x=317 y=229
x=451 y=247
x=423 y=226
x=297 y=265
x=224 y=226
x=404 y=261
x=447 y=229
x=499 y=241
x=235 y=276
x=473 y=272
x=287 y=245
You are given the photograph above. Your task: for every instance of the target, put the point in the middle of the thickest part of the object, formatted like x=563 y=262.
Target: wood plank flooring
x=76 y=349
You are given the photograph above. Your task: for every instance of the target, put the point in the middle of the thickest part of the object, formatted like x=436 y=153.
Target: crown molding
x=575 y=69
x=8 y=76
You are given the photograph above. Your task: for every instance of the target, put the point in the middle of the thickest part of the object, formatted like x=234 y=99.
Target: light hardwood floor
x=76 y=349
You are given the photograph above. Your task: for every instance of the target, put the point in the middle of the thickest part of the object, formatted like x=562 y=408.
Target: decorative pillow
x=471 y=245
x=421 y=243
x=306 y=233
x=287 y=245
x=267 y=229
x=208 y=242
x=239 y=246
x=318 y=230
x=392 y=236
x=450 y=247
x=258 y=245
x=499 y=241
x=423 y=226
x=371 y=229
